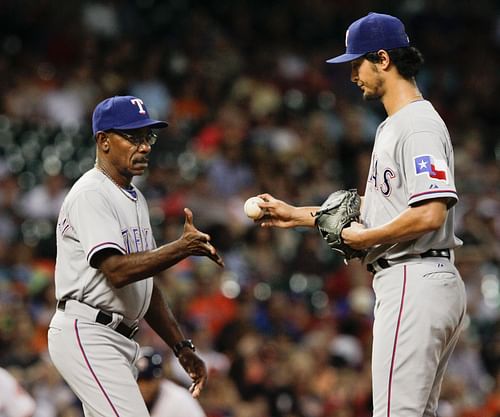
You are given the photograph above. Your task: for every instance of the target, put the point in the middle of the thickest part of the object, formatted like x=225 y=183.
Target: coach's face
x=367 y=76
x=129 y=150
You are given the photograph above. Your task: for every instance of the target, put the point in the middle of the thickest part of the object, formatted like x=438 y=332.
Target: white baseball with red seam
x=252 y=209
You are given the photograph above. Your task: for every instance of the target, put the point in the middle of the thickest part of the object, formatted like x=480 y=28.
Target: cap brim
x=154 y=124
x=344 y=58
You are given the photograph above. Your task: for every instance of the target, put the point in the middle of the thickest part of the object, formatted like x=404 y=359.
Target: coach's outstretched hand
x=196 y=370
x=198 y=243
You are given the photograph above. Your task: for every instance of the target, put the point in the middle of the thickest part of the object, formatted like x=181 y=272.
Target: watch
x=181 y=345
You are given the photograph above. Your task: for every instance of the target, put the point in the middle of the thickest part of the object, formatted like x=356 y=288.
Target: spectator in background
x=9 y=201
x=163 y=398
x=44 y=200
x=151 y=87
x=14 y=400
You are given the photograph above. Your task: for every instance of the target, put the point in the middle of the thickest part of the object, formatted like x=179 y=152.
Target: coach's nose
x=144 y=147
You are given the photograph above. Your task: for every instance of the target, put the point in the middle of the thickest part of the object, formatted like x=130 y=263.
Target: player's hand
x=197 y=242
x=196 y=369
x=355 y=236
x=277 y=213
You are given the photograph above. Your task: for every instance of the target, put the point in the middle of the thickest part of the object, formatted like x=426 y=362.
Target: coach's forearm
x=125 y=269
x=162 y=321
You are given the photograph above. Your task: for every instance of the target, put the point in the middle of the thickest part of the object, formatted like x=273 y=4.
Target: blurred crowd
x=285 y=328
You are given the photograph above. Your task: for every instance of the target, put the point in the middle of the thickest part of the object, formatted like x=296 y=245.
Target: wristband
x=181 y=345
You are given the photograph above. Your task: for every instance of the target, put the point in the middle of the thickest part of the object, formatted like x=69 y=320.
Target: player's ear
x=384 y=58
x=102 y=141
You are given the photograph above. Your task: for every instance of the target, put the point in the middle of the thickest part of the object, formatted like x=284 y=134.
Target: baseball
x=252 y=208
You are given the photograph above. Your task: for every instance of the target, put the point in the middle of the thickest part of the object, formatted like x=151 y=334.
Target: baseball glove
x=338 y=211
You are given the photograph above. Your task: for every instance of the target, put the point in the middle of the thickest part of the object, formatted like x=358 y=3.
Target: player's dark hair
x=407 y=60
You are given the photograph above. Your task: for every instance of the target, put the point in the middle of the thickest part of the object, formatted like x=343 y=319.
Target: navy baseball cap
x=371 y=33
x=123 y=112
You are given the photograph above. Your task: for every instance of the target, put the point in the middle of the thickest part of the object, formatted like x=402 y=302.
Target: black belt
x=384 y=263
x=106 y=318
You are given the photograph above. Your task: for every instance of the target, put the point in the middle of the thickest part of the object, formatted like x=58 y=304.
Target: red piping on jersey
x=433 y=192
x=91 y=251
x=91 y=370
x=389 y=391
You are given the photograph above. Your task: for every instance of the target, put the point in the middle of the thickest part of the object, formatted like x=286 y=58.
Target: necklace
x=130 y=192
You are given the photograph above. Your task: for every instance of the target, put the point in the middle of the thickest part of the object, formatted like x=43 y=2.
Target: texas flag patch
x=437 y=169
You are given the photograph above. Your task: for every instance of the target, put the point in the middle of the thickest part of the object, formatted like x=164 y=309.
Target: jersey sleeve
x=428 y=169
x=95 y=224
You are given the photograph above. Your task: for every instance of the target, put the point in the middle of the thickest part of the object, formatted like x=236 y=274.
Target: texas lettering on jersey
x=382 y=181
x=136 y=240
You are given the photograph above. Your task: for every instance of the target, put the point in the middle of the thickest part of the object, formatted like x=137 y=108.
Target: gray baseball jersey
x=420 y=302
x=96 y=360
x=95 y=215
x=412 y=161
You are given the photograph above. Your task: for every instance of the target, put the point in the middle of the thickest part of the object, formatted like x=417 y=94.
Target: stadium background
x=285 y=328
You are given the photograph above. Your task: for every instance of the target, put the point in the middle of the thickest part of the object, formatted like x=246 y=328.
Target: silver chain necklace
x=131 y=193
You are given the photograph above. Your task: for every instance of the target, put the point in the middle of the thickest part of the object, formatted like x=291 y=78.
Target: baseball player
x=406 y=224
x=163 y=398
x=14 y=400
x=106 y=258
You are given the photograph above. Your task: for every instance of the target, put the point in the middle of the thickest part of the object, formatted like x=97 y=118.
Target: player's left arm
x=412 y=223
x=162 y=321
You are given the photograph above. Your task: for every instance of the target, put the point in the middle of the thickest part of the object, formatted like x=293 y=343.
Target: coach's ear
x=102 y=141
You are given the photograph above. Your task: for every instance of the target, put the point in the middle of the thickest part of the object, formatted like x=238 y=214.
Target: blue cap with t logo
x=371 y=33
x=123 y=112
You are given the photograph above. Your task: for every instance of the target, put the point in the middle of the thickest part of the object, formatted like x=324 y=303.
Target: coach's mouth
x=142 y=163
